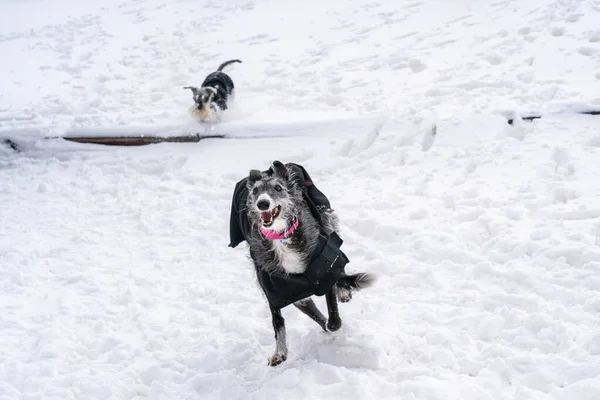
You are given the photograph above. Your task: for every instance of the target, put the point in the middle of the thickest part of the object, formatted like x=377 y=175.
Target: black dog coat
x=223 y=84
x=327 y=261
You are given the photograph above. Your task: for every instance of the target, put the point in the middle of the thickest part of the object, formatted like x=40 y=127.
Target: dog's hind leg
x=334 y=323
x=308 y=307
x=281 y=350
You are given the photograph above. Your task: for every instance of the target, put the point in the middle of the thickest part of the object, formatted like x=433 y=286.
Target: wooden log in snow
x=138 y=140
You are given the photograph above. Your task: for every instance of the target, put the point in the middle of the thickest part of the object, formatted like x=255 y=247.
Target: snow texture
x=116 y=279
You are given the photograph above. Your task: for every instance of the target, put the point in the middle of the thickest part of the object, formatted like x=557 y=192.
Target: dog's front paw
x=334 y=324
x=277 y=359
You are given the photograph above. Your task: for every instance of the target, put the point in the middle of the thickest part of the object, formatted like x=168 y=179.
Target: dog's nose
x=263 y=205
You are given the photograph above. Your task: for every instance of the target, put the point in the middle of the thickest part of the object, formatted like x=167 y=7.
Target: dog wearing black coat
x=291 y=231
x=211 y=97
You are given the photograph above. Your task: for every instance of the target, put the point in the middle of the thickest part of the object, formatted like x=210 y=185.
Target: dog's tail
x=347 y=284
x=356 y=282
x=226 y=63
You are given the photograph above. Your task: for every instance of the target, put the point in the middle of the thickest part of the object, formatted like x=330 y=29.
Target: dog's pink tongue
x=266 y=216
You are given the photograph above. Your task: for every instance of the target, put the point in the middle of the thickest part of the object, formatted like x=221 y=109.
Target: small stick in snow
x=11 y=144
x=538 y=116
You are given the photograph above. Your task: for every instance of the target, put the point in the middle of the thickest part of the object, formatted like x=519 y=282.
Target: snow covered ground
x=116 y=279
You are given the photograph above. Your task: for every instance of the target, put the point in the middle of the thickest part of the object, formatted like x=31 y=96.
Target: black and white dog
x=291 y=231
x=212 y=96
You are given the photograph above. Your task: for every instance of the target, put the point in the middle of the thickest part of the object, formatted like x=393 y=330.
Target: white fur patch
x=279 y=225
x=290 y=260
x=207 y=114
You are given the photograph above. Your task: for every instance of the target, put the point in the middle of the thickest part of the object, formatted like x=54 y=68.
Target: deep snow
x=116 y=279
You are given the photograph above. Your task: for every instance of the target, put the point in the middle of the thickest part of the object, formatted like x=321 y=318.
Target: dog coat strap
x=327 y=264
x=282 y=290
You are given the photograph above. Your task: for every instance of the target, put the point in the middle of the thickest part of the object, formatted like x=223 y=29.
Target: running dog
x=291 y=231
x=212 y=96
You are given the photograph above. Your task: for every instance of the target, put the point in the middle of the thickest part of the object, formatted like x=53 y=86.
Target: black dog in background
x=212 y=96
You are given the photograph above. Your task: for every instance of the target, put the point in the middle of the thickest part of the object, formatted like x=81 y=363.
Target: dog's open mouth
x=267 y=217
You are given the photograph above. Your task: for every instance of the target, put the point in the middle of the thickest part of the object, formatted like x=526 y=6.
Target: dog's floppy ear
x=212 y=90
x=280 y=170
x=254 y=176
x=192 y=88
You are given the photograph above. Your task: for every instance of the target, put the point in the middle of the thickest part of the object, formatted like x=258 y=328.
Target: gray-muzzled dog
x=294 y=246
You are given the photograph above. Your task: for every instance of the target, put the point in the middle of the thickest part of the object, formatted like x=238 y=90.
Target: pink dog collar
x=273 y=235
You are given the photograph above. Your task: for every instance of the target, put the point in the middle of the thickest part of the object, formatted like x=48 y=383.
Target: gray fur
x=308 y=307
x=280 y=189
x=202 y=95
x=281 y=349
x=305 y=239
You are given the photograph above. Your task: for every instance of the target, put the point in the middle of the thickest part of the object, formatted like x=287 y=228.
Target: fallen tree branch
x=538 y=116
x=138 y=140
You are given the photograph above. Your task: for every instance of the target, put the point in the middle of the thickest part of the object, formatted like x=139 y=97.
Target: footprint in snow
x=526 y=33
x=561 y=195
x=526 y=77
x=494 y=59
x=557 y=31
x=560 y=156
x=595 y=142
x=586 y=51
x=429 y=138
x=416 y=65
x=563 y=166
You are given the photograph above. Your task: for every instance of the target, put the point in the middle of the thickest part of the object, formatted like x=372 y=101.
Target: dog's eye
x=278 y=188
x=255 y=190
